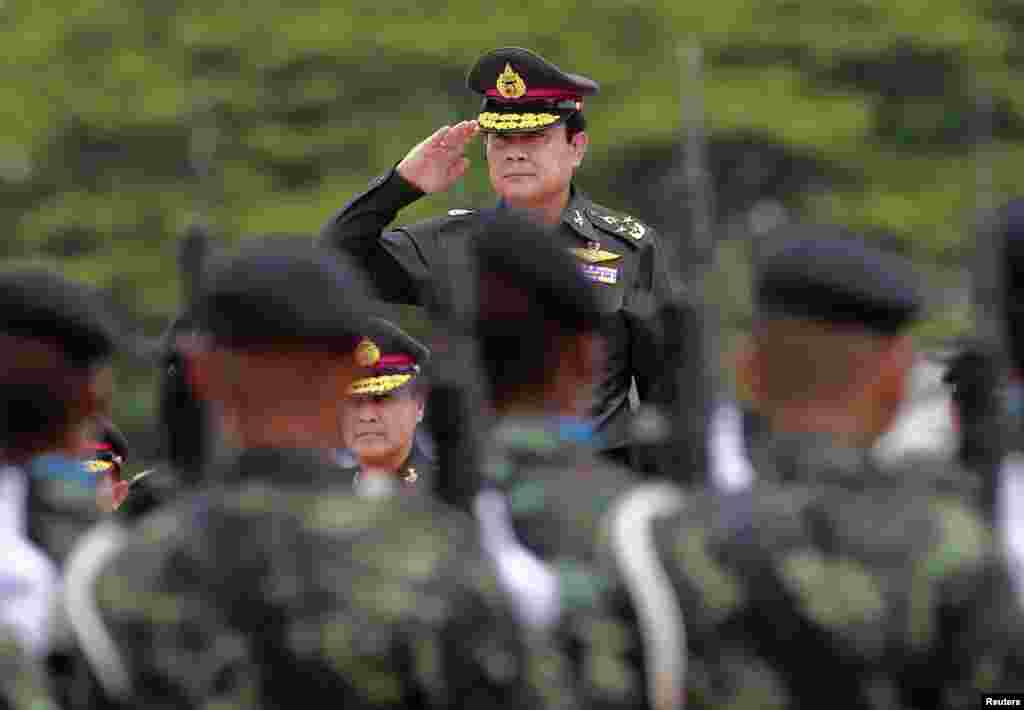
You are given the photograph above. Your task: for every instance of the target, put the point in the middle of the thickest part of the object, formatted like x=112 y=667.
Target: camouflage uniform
x=558 y=493
x=282 y=583
x=22 y=684
x=835 y=584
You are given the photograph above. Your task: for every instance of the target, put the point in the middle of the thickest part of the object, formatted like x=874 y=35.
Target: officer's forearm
x=356 y=229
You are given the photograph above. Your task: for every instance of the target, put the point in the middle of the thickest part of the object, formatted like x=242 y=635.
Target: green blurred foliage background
x=123 y=123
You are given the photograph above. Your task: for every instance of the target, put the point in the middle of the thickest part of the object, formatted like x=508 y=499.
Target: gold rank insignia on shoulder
x=593 y=254
x=624 y=225
x=367 y=353
x=510 y=85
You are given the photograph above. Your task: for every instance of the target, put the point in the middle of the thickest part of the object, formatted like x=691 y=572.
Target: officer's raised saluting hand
x=438 y=162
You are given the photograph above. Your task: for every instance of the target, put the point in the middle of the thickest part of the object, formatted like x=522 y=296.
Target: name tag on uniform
x=601 y=274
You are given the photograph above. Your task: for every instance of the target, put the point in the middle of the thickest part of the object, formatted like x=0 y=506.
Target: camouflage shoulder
x=23 y=683
x=626 y=228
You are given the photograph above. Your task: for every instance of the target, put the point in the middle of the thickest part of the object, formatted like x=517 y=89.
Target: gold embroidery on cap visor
x=382 y=384
x=516 y=121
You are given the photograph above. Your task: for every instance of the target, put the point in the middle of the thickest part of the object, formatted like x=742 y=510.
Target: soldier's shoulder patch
x=629 y=229
x=459 y=212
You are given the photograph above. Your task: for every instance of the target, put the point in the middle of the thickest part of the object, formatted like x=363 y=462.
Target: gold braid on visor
x=381 y=384
x=513 y=121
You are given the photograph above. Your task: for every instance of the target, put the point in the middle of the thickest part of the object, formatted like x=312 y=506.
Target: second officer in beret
x=532 y=115
x=382 y=413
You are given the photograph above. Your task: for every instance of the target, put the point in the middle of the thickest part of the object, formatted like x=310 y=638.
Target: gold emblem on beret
x=367 y=353
x=510 y=85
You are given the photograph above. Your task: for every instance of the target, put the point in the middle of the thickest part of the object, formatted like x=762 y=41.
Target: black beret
x=42 y=304
x=524 y=276
x=284 y=292
x=524 y=92
x=826 y=273
x=390 y=357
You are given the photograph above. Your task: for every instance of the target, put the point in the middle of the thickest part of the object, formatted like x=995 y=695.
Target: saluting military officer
x=532 y=116
x=383 y=409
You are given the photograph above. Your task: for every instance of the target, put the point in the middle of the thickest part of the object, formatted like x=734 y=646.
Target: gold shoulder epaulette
x=619 y=225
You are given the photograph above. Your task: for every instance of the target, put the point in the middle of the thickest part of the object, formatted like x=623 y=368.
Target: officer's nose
x=367 y=411
x=514 y=149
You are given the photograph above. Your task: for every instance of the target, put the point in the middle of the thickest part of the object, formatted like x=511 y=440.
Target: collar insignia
x=367 y=353
x=410 y=475
x=510 y=85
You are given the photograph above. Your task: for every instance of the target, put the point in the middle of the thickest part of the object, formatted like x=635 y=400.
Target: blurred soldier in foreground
x=382 y=412
x=532 y=115
x=86 y=681
x=277 y=586
x=55 y=384
x=547 y=492
x=832 y=582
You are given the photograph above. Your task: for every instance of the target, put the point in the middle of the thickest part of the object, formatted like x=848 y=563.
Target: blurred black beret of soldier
x=826 y=273
x=44 y=305
x=530 y=293
x=285 y=292
x=55 y=333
